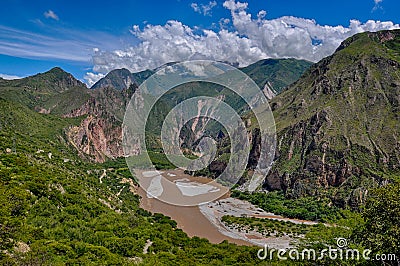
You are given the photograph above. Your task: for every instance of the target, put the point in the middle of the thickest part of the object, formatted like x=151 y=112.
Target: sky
x=90 y=38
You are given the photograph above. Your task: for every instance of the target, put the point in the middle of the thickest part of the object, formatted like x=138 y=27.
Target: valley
x=70 y=196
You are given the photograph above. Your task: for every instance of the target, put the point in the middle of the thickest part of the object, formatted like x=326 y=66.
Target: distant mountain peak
x=57 y=69
x=122 y=79
x=56 y=78
x=278 y=73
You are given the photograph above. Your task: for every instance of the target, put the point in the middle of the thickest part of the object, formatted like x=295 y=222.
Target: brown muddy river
x=189 y=218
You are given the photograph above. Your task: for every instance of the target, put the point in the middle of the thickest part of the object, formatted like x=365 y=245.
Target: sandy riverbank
x=214 y=211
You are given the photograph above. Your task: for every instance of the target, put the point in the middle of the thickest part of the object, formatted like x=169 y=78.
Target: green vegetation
x=268 y=227
x=381 y=230
x=279 y=73
x=305 y=208
x=58 y=209
x=54 y=89
x=55 y=211
x=317 y=237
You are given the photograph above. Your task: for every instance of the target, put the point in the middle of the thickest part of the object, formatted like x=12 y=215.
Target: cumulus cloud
x=245 y=41
x=204 y=9
x=92 y=78
x=51 y=14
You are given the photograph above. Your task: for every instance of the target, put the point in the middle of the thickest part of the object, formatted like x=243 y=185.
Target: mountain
x=55 y=80
x=338 y=126
x=271 y=75
x=93 y=140
x=53 y=91
x=59 y=93
x=99 y=135
x=122 y=79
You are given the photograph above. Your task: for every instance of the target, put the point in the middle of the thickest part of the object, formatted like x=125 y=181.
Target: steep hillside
x=57 y=92
x=99 y=135
x=339 y=125
x=276 y=74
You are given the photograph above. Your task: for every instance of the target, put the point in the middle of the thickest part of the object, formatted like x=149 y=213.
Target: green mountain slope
x=277 y=73
x=54 y=91
x=339 y=125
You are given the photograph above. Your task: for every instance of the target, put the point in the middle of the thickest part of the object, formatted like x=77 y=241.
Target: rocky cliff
x=339 y=126
x=99 y=135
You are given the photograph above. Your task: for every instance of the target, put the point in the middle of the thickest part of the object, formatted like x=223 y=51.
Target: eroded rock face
x=99 y=136
x=304 y=157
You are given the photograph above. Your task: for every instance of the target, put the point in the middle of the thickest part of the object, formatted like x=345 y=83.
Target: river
x=203 y=220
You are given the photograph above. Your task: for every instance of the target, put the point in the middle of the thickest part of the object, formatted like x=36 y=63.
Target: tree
x=381 y=230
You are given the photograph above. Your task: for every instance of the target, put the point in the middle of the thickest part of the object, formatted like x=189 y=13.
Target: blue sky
x=89 y=38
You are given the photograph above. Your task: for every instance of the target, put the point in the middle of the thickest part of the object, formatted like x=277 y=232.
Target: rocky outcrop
x=99 y=135
x=96 y=138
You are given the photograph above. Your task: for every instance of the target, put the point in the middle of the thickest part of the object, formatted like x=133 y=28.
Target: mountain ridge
x=338 y=126
x=99 y=135
x=278 y=73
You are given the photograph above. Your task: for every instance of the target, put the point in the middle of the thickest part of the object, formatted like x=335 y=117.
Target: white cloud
x=51 y=14
x=195 y=7
x=204 y=9
x=377 y=5
x=92 y=78
x=245 y=41
x=9 y=77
